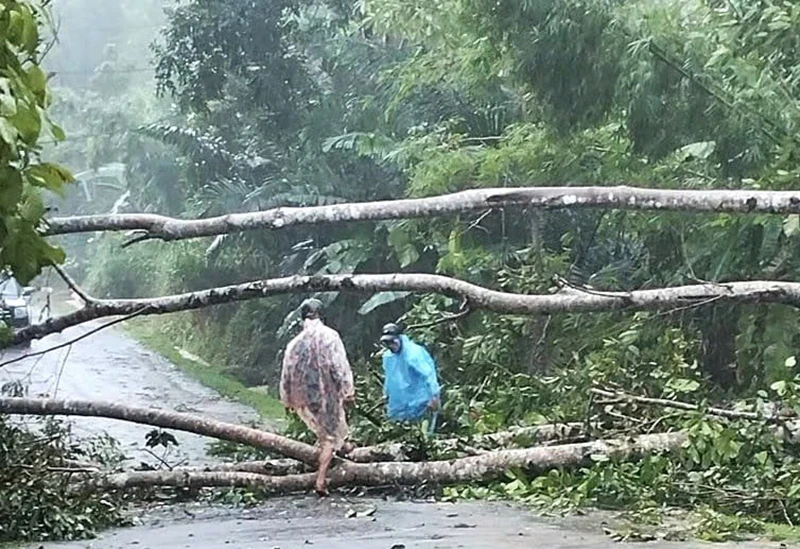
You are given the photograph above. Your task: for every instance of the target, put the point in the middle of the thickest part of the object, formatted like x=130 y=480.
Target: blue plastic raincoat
x=410 y=381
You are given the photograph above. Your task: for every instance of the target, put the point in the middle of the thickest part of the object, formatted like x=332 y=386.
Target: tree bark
x=485 y=467
x=260 y=439
x=529 y=435
x=622 y=197
x=165 y=419
x=573 y=300
x=270 y=467
x=189 y=479
x=398 y=451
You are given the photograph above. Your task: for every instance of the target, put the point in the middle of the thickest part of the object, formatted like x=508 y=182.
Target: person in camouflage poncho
x=317 y=384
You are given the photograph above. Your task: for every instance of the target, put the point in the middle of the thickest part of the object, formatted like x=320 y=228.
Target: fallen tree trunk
x=485 y=467
x=571 y=300
x=369 y=454
x=270 y=467
x=399 y=451
x=523 y=436
x=622 y=197
x=162 y=418
x=255 y=437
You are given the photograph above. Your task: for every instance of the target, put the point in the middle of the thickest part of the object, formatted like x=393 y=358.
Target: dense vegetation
x=301 y=102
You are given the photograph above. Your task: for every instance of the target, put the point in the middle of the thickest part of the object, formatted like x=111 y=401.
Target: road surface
x=303 y=523
x=111 y=366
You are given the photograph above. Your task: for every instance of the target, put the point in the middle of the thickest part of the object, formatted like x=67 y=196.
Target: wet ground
x=111 y=366
x=336 y=523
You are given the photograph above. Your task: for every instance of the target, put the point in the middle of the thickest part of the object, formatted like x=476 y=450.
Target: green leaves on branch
x=23 y=100
x=36 y=503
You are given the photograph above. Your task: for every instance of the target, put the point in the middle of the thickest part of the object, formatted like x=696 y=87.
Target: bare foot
x=322 y=491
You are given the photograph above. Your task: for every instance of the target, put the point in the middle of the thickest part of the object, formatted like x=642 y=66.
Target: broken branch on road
x=256 y=438
x=279 y=476
x=524 y=437
x=485 y=467
x=478 y=297
x=162 y=418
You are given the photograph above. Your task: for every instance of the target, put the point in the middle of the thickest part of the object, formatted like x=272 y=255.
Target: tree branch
x=464 y=310
x=80 y=292
x=165 y=419
x=531 y=435
x=151 y=226
x=398 y=451
x=477 y=296
x=484 y=467
x=678 y=405
x=271 y=467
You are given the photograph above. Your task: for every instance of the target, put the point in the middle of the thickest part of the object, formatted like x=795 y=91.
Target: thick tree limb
x=529 y=435
x=254 y=437
x=186 y=479
x=398 y=451
x=485 y=467
x=623 y=197
x=476 y=296
x=270 y=467
x=165 y=419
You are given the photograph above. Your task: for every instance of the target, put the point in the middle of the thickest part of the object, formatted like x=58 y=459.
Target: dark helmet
x=390 y=333
x=310 y=307
x=391 y=329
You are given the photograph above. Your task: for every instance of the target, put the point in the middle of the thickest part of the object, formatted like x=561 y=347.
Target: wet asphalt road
x=111 y=366
x=305 y=522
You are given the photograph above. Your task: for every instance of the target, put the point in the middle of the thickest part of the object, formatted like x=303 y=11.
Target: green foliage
x=23 y=175
x=262 y=58
x=36 y=502
x=123 y=276
x=738 y=475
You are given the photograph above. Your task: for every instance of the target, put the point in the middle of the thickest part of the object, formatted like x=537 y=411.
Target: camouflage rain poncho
x=316 y=379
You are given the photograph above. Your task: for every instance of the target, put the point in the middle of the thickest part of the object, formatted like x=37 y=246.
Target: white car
x=15 y=309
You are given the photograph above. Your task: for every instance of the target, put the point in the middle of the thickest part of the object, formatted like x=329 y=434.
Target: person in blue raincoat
x=411 y=384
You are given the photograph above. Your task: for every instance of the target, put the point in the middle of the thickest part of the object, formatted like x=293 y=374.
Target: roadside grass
x=782 y=532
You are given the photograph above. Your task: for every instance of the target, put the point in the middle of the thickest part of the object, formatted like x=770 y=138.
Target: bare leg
x=325 y=457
